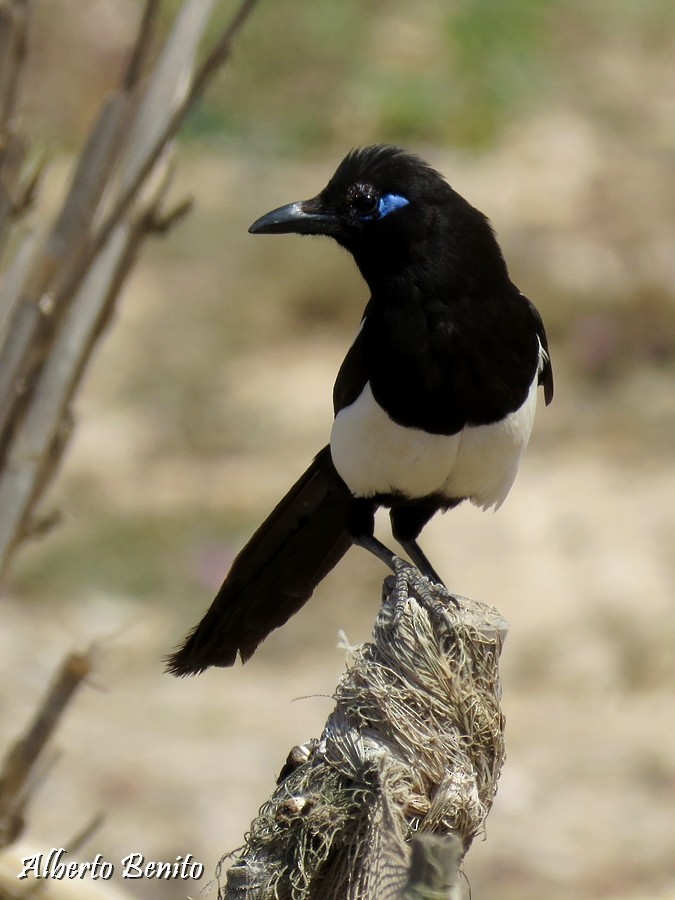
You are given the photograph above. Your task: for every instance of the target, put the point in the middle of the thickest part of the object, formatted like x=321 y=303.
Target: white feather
x=374 y=455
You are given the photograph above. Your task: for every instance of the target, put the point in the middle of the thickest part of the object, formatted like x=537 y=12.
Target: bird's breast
x=376 y=456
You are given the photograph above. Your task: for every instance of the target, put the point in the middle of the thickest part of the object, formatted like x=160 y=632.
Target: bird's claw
x=411 y=582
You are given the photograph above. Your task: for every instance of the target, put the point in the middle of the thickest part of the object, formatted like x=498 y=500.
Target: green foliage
x=500 y=51
x=310 y=76
x=339 y=71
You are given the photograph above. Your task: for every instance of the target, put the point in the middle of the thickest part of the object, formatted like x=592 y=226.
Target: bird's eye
x=369 y=204
x=365 y=201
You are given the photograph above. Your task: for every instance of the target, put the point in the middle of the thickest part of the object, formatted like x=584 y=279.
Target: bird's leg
x=378 y=549
x=407 y=520
x=361 y=526
x=417 y=555
x=425 y=587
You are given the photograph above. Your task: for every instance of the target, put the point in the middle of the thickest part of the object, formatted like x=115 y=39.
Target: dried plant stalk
x=17 y=776
x=58 y=292
x=14 y=20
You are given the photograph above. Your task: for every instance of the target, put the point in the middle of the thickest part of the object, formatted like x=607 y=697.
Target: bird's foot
x=432 y=596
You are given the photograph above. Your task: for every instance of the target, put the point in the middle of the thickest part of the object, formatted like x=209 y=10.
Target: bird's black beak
x=303 y=217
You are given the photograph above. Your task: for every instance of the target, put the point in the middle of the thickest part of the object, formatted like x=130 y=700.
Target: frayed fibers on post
x=414 y=746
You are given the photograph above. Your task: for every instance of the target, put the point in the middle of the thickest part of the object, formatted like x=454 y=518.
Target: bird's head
x=370 y=185
x=388 y=208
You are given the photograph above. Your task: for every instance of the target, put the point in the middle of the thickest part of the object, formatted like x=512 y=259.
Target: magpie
x=434 y=402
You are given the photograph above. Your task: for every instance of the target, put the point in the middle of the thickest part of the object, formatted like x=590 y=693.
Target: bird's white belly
x=374 y=455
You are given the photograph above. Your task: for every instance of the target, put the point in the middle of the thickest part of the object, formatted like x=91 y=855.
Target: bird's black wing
x=275 y=574
x=546 y=374
x=353 y=375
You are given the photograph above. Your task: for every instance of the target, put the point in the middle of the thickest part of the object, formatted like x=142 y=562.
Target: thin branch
x=23 y=756
x=86 y=832
x=89 y=250
x=13 y=28
x=65 y=243
x=166 y=87
x=138 y=55
x=68 y=244
x=14 y=21
x=218 y=55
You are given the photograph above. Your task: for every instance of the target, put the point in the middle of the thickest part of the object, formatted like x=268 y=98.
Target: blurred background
x=212 y=391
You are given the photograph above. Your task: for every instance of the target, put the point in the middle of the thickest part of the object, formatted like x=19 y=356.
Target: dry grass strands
x=413 y=747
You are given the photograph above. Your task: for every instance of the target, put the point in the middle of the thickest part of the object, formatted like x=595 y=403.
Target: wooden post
x=409 y=758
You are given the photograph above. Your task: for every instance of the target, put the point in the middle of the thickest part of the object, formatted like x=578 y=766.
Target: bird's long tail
x=275 y=574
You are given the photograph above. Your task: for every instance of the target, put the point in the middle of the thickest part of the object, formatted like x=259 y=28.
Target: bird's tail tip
x=176 y=665
x=192 y=659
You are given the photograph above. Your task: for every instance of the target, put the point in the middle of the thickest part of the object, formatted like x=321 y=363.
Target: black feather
x=275 y=574
x=447 y=341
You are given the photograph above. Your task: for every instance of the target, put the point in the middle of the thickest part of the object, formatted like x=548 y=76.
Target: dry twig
x=58 y=293
x=20 y=767
x=59 y=290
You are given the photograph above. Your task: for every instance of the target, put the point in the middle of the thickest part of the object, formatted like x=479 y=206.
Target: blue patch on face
x=387 y=204
x=391 y=202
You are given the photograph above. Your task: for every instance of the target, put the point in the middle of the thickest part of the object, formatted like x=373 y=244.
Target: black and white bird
x=434 y=402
